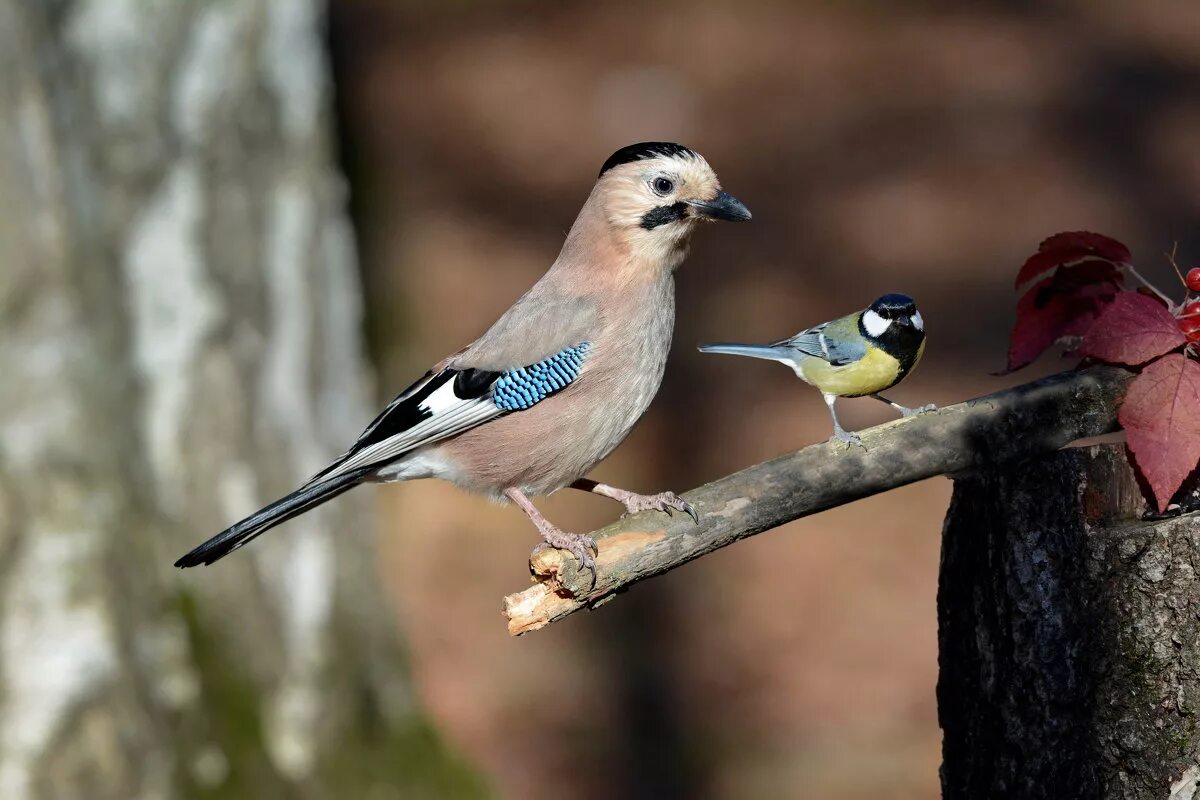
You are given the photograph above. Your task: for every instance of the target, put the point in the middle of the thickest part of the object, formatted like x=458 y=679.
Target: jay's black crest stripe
x=664 y=214
x=644 y=150
x=262 y=521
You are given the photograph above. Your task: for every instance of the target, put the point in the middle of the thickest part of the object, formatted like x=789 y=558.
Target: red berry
x=1192 y=308
x=1193 y=279
x=1190 y=328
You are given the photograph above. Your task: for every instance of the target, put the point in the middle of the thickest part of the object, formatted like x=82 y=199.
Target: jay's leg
x=840 y=433
x=904 y=410
x=634 y=502
x=576 y=544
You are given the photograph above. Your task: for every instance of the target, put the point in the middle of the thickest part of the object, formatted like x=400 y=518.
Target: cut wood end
x=534 y=608
x=558 y=577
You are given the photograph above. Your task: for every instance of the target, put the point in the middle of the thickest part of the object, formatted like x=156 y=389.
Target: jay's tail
x=768 y=351
x=299 y=501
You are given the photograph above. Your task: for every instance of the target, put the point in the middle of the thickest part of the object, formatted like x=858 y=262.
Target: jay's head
x=654 y=193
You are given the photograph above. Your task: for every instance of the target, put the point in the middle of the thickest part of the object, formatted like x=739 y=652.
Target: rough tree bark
x=179 y=341
x=1069 y=636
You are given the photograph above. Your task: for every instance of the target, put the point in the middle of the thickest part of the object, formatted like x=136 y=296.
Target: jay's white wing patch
x=445 y=404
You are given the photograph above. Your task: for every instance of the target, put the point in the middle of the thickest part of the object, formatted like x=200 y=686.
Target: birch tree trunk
x=180 y=342
x=1069 y=634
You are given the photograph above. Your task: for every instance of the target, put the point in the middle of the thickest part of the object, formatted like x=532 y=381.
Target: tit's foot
x=663 y=501
x=848 y=438
x=916 y=412
x=577 y=544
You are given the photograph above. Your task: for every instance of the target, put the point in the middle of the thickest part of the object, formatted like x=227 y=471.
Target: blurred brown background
x=918 y=147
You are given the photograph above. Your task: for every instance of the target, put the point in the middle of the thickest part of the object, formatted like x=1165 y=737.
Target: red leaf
x=1045 y=315
x=1161 y=418
x=1103 y=246
x=1132 y=330
x=1069 y=248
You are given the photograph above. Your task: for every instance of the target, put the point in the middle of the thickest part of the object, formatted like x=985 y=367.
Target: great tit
x=858 y=355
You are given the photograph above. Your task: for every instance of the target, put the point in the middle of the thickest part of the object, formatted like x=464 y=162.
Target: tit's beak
x=724 y=206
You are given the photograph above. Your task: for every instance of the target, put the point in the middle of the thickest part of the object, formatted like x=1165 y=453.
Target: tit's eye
x=662 y=186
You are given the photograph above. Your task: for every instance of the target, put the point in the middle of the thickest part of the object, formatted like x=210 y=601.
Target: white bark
x=179 y=343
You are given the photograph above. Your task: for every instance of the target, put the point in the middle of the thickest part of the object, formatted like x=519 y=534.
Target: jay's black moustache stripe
x=664 y=214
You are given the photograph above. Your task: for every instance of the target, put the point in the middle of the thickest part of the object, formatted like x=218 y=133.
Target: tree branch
x=1034 y=418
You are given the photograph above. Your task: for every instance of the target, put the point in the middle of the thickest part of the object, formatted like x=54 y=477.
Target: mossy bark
x=180 y=342
x=1069 y=635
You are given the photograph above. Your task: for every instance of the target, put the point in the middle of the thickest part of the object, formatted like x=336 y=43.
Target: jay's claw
x=663 y=501
x=634 y=502
x=577 y=544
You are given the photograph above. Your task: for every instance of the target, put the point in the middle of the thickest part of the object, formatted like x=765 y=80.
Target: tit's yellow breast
x=872 y=373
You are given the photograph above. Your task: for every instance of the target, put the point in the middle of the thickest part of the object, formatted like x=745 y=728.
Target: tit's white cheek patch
x=874 y=324
x=918 y=322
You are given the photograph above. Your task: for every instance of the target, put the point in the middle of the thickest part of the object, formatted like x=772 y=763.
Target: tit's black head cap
x=645 y=150
x=894 y=303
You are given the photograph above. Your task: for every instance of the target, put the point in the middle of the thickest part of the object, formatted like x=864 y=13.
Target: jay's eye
x=662 y=186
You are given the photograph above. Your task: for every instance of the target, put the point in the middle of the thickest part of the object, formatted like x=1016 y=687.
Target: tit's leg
x=577 y=544
x=634 y=502
x=904 y=410
x=840 y=433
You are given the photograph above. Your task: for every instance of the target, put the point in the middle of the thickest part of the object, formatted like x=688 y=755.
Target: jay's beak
x=724 y=206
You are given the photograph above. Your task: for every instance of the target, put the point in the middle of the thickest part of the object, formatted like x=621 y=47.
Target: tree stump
x=1069 y=635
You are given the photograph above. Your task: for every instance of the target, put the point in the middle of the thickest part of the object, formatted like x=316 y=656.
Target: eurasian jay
x=560 y=379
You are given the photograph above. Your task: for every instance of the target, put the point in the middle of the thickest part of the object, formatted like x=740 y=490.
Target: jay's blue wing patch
x=446 y=403
x=517 y=390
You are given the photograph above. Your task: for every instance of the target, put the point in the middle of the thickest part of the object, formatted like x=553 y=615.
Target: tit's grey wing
x=451 y=400
x=837 y=342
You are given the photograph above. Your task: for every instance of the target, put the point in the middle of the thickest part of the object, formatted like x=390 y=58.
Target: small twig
x=1170 y=303
x=1035 y=418
x=1175 y=264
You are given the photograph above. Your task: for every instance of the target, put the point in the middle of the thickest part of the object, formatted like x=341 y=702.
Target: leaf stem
x=1170 y=304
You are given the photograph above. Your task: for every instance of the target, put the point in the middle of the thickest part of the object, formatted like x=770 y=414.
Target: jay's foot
x=663 y=501
x=577 y=544
x=634 y=502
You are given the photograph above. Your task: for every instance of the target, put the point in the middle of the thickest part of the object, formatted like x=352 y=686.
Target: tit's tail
x=299 y=501
x=771 y=352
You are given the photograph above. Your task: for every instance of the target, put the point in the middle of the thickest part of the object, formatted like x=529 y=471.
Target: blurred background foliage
x=917 y=147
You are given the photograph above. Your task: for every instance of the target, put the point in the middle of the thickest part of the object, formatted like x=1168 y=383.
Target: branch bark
x=1034 y=418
